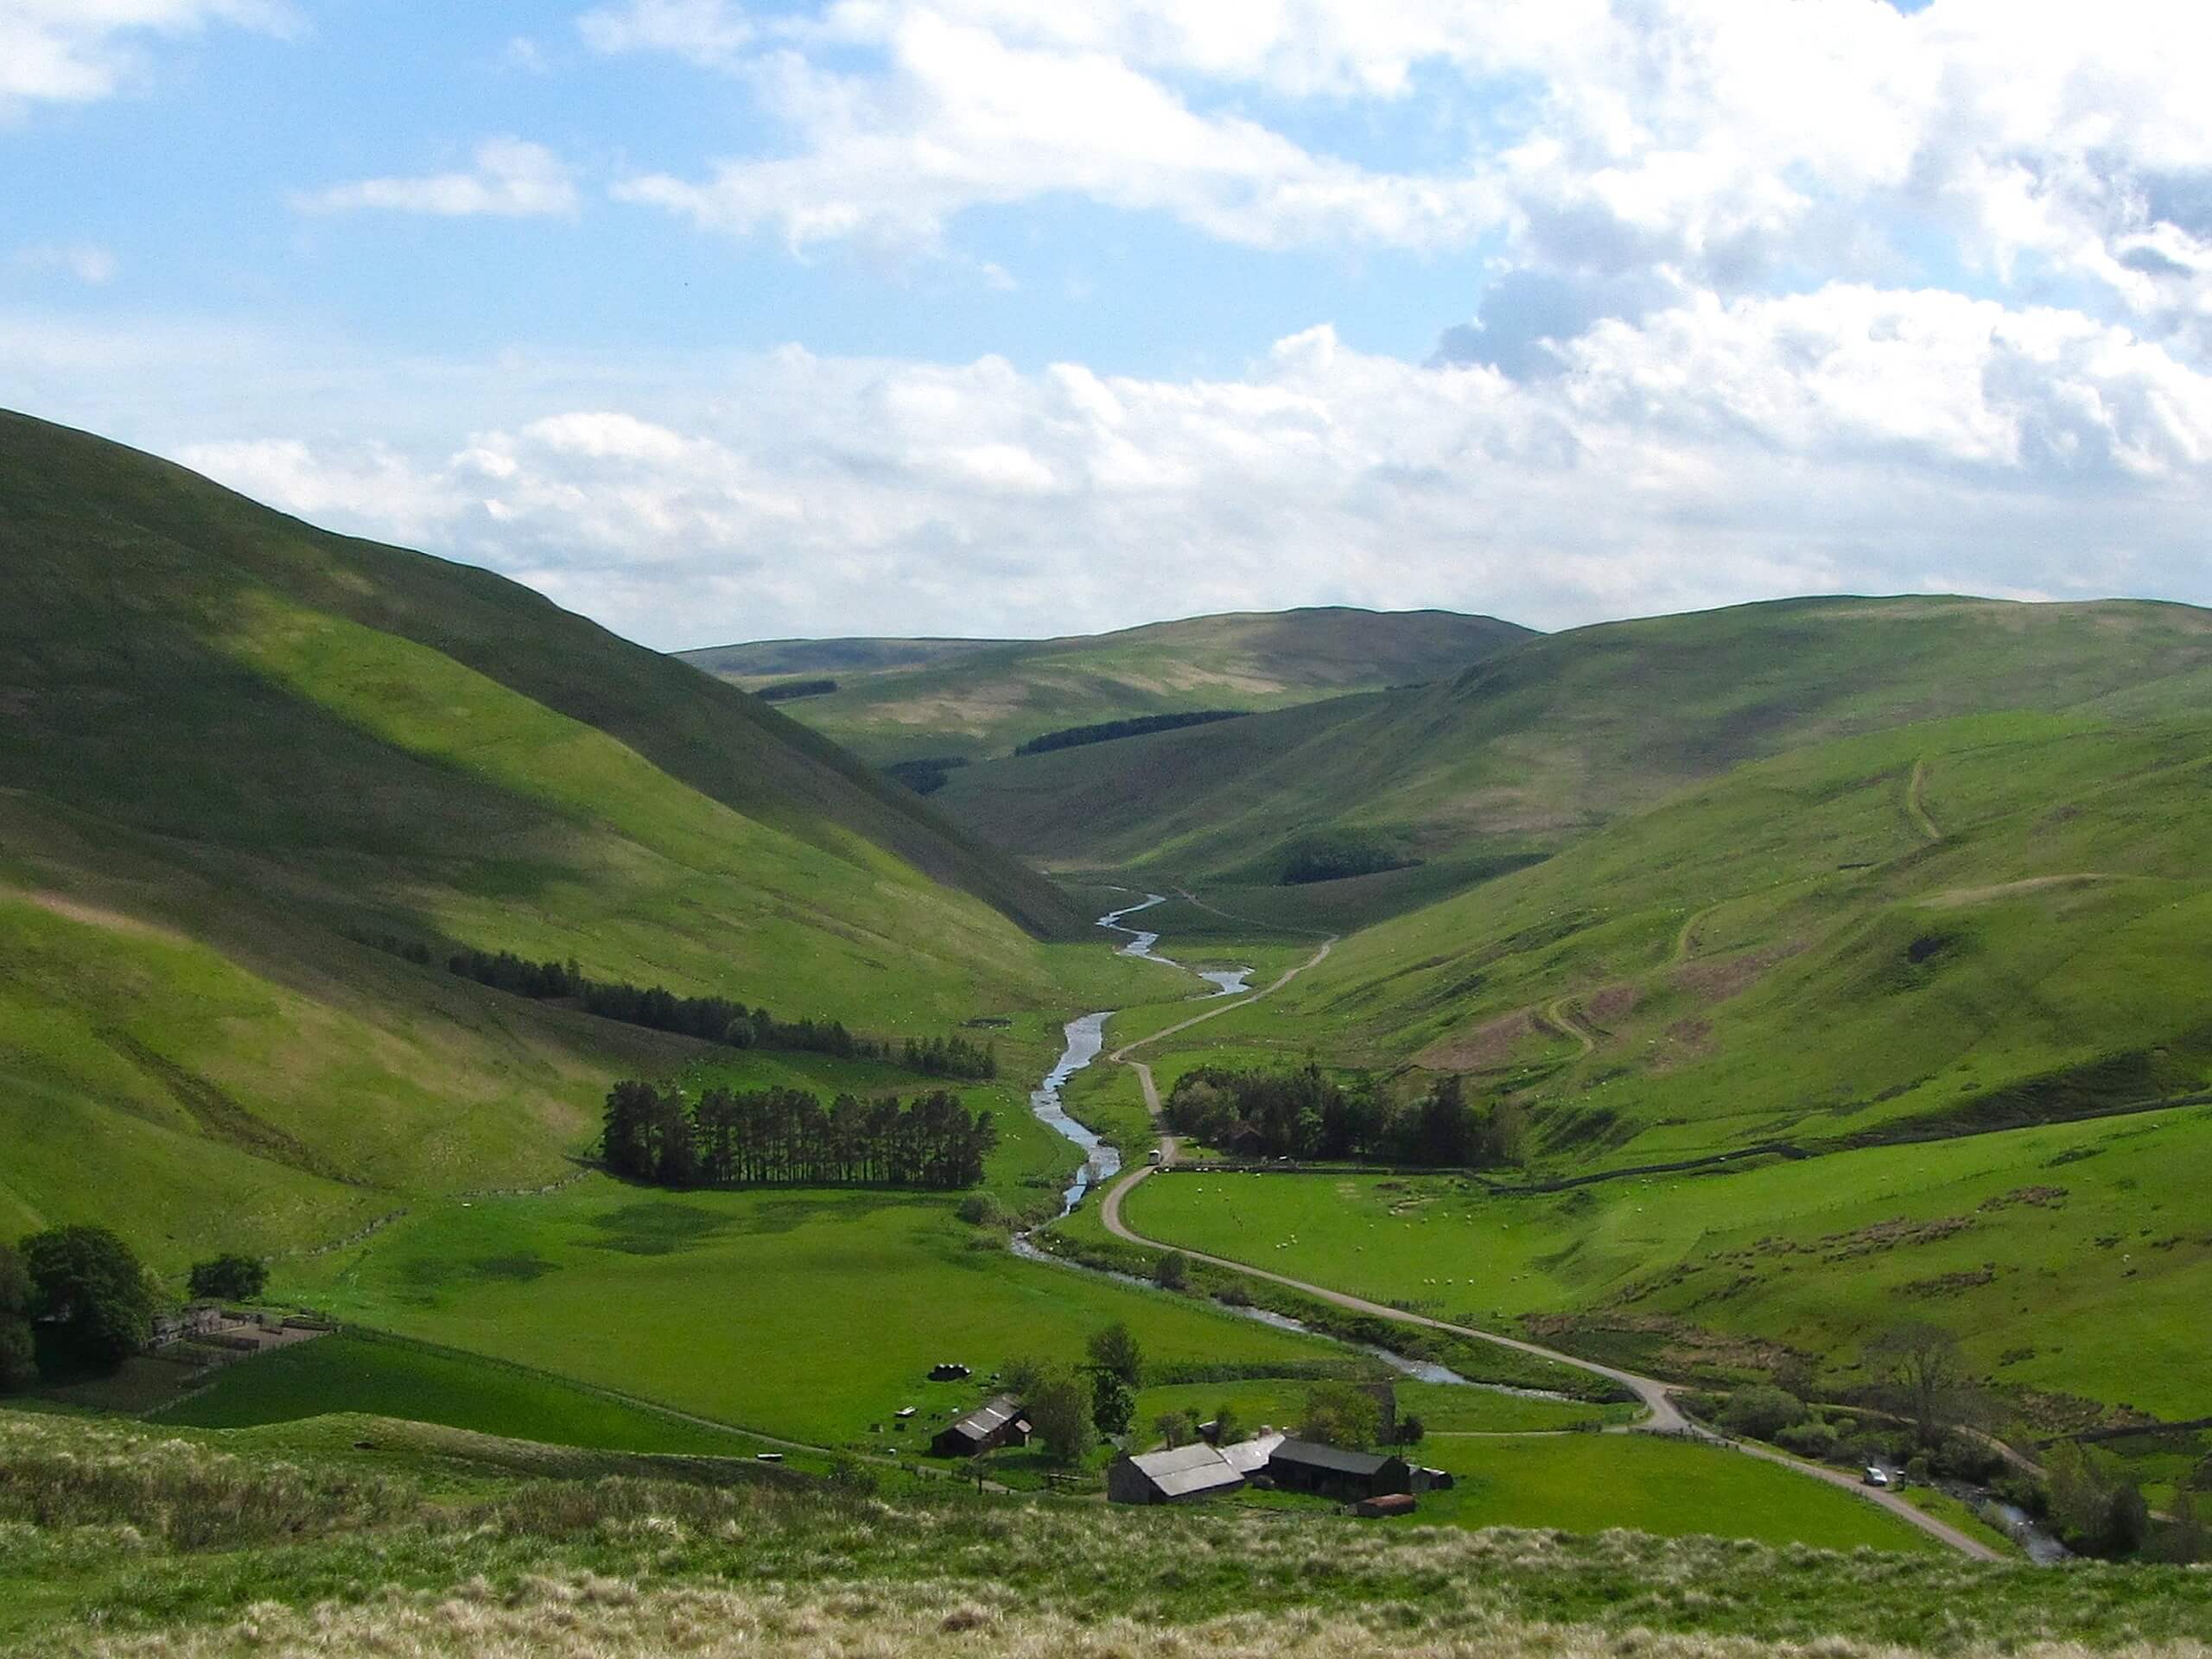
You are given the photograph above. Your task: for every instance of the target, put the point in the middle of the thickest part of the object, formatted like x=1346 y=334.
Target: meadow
x=365 y=1373
x=808 y=1313
x=1588 y=1483
x=2071 y=1258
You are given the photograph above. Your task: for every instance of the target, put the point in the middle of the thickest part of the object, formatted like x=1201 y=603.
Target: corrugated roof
x=1312 y=1454
x=987 y=1418
x=1249 y=1456
x=1184 y=1470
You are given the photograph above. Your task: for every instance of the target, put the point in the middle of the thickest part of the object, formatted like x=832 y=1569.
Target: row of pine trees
x=712 y=1018
x=787 y=1137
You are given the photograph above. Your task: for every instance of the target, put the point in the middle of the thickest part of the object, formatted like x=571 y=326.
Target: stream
x=1086 y=1040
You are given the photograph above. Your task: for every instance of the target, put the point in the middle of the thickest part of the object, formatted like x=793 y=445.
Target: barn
x=1308 y=1466
x=1184 y=1472
x=998 y=1421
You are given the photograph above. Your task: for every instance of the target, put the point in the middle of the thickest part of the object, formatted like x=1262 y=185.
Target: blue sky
x=719 y=321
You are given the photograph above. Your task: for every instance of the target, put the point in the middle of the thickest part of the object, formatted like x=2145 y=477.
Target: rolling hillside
x=238 y=748
x=1540 y=745
x=902 y=699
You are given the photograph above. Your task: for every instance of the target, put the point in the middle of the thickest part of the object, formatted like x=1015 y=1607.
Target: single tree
x=1172 y=1271
x=18 y=1356
x=1341 y=1415
x=1022 y=1377
x=1113 y=1407
x=1411 y=1430
x=89 y=1280
x=1228 y=1427
x=1061 y=1417
x=1173 y=1427
x=1114 y=1348
x=1921 y=1371
x=2184 y=1539
x=229 y=1279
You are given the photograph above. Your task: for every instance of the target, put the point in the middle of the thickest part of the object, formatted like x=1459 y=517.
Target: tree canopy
x=87 y=1278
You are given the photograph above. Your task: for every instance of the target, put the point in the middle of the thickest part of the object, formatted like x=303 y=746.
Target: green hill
x=1537 y=746
x=902 y=699
x=236 y=747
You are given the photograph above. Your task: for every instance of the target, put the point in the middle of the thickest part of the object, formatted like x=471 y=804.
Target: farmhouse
x=995 y=1423
x=1185 y=1473
x=1308 y=1466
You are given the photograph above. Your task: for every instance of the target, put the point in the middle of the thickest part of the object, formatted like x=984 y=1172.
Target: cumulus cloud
x=512 y=179
x=1851 y=439
x=76 y=51
x=1733 y=142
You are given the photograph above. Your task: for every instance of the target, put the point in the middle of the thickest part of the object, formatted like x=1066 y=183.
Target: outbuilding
x=1332 y=1472
x=998 y=1421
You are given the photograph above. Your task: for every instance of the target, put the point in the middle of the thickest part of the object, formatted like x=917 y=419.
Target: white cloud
x=965 y=118
x=1726 y=139
x=708 y=32
x=76 y=51
x=1851 y=439
x=512 y=179
x=87 y=261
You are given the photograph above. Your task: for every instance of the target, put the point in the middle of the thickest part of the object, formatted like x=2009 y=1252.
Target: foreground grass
x=307 y=1554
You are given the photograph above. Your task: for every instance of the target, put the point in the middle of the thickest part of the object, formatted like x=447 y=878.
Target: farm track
x=1663 y=1415
x=1560 y=1017
x=1916 y=803
x=1686 y=942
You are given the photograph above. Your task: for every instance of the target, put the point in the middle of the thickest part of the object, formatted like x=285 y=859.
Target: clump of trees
x=1105 y=731
x=1332 y=858
x=787 y=1137
x=1340 y=1413
x=785 y=690
x=710 y=1019
x=927 y=775
x=229 y=1279
x=18 y=1354
x=89 y=1283
x=1305 y=1114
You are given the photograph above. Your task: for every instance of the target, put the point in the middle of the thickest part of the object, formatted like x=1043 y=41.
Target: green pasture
x=2072 y=1257
x=364 y=1373
x=808 y=1313
x=1591 y=1483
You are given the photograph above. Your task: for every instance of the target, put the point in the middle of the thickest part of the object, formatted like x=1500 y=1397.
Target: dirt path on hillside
x=1686 y=941
x=1916 y=802
x=1557 y=1017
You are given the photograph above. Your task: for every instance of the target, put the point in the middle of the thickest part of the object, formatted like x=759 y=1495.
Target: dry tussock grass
x=594 y=1618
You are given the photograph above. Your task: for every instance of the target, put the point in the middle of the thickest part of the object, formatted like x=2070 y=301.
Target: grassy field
x=2071 y=1258
x=902 y=699
x=365 y=1374
x=1587 y=1483
x=813 y=1314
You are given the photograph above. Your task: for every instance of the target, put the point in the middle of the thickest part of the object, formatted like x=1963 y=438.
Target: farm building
x=1307 y=1466
x=1185 y=1473
x=995 y=1423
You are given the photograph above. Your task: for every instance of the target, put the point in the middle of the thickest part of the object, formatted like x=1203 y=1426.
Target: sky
x=719 y=321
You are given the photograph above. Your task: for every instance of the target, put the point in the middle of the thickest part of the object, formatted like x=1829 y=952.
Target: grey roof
x=1184 y=1470
x=1312 y=1454
x=1249 y=1456
x=987 y=1419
